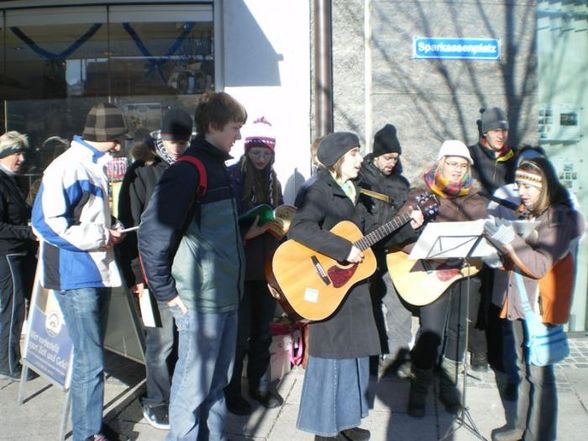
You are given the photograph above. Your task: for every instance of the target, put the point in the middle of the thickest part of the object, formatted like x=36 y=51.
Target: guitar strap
x=376 y=195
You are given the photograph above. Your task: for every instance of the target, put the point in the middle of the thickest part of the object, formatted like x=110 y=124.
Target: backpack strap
x=202 y=176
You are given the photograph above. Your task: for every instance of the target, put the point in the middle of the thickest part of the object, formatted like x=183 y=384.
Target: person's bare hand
x=138 y=289
x=115 y=237
x=176 y=301
x=255 y=229
x=355 y=255
x=417 y=219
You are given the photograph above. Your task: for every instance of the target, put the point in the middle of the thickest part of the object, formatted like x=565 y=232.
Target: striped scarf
x=441 y=187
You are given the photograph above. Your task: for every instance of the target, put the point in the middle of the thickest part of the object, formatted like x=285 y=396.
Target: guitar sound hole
x=340 y=276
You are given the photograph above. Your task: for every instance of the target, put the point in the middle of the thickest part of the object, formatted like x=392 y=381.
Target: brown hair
x=216 y=110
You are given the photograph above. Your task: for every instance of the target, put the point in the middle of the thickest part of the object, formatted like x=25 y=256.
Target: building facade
x=309 y=66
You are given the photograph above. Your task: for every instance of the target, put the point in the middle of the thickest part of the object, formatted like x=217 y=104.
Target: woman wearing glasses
x=460 y=200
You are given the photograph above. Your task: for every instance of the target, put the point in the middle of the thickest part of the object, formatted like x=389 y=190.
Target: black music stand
x=446 y=240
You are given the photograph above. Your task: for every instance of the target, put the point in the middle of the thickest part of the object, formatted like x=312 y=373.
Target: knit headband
x=16 y=148
x=530 y=179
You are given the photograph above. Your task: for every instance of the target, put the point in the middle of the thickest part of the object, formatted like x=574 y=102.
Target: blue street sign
x=457 y=48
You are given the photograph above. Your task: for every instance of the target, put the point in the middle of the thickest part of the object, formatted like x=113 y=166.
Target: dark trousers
x=435 y=335
x=254 y=337
x=537 y=397
x=16 y=276
x=393 y=318
x=159 y=344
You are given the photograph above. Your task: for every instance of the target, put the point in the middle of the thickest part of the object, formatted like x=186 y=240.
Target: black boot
x=355 y=434
x=419 y=387
x=448 y=392
x=268 y=399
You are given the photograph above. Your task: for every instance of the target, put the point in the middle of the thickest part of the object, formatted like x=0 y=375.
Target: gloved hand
x=499 y=231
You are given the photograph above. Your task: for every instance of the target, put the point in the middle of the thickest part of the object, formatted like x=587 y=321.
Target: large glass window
x=55 y=63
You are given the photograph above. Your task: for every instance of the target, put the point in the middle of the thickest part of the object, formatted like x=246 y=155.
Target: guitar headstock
x=428 y=204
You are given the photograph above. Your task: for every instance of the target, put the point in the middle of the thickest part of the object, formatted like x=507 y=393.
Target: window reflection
x=55 y=63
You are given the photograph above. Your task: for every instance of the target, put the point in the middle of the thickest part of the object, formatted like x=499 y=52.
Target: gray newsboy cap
x=335 y=145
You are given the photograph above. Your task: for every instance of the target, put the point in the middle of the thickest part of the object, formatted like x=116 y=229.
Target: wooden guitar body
x=314 y=285
x=421 y=282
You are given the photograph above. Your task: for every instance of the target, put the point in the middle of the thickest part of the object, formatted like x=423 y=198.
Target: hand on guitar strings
x=355 y=255
x=417 y=219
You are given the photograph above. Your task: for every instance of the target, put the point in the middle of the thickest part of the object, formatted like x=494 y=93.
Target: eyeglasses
x=457 y=165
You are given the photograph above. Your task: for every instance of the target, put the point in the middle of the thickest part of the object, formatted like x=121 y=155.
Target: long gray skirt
x=334 y=395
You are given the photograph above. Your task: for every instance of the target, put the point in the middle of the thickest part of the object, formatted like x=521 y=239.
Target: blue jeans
x=206 y=353
x=537 y=397
x=159 y=343
x=84 y=312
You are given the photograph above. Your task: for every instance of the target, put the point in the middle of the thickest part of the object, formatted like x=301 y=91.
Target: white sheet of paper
x=146 y=306
x=443 y=240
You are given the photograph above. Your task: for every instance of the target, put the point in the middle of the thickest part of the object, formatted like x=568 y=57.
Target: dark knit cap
x=177 y=125
x=105 y=122
x=494 y=118
x=385 y=141
x=335 y=145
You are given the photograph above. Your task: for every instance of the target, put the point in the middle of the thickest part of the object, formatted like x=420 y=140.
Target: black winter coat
x=351 y=331
x=135 y=192
x=16 y=236
x=491 y=173
x=396 y=187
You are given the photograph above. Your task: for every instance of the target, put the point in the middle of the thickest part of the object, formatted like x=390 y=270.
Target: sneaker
x=238 y=405
x=97 y=437
x=157 y=416
x=506 y=433
x=15 y=375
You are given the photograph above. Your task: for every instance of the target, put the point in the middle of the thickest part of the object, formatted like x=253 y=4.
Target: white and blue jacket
x=72 y=215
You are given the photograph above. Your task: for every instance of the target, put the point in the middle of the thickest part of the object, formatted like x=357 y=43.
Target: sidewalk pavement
x=38 y=418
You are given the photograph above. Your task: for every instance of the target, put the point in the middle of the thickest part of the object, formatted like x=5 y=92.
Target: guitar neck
x=378 y=234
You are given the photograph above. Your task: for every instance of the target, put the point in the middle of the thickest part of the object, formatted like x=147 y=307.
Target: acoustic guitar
x=420 y=282
x=313 y=284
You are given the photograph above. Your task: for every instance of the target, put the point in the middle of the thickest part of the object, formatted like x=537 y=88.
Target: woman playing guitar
x=460 y=200
x=334 y=394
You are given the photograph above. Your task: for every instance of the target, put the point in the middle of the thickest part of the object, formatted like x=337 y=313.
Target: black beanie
x=385 y=141
x=335 y=145
x=177 y=125
x=493 y=118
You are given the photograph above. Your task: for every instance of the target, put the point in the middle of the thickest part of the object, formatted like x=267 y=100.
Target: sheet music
x=443 y=240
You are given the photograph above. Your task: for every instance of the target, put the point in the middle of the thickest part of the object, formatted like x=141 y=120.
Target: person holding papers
x=460 y=200
x=137 y=187
x=546 y=250
x=255 y=182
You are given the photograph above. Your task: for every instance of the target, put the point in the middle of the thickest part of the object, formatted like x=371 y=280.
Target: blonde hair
x=13 y=139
